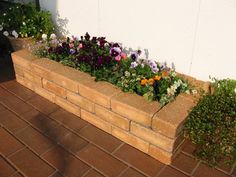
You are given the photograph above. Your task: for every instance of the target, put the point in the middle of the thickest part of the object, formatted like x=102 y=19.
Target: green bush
x=211 y=125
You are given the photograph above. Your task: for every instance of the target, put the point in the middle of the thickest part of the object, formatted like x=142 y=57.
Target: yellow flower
x=151 y=81
x=143 y=81
x=165 y=73
x=157 y=78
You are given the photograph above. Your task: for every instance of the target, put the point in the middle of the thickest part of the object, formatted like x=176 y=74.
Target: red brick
x=134 y=107
x=130 y=139
x=169 y=120
x=9 y=144
x=30 y=164
x=105 y=163
x=96 y=121
x=112 y=117
x=54 y=88
x=81 y=101
x=98 y=92
x=139 y=160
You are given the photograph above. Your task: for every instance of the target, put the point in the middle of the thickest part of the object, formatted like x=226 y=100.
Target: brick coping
x=144 y=125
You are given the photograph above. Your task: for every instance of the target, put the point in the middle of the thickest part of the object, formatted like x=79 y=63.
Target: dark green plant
x=26 y=21
x=211 y=125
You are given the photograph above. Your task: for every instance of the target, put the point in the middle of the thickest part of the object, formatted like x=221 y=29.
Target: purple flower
x=134 y=56
x=72 y=51
x=134 y=64
x=115 y=51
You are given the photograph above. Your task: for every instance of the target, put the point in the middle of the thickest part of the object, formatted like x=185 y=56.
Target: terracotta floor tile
x=171 y=172
x=185 y=163
x=100 y=138
x=17 y=175
x=56 y=175
x=30 y=164
x=35 y=140
x=13 y=103
x=43 y=104
x=102 y=161
x=93 y=173
x=32 y=114
x=56 y=133
x=136 y=158
x=131 y=172
x=18 y=90
x=73 y=143
x=12 y=122
x=204 y=170
x=68 y=119
x=6 y=169
x=8 y=143
x=188 y=147
x=67 y=164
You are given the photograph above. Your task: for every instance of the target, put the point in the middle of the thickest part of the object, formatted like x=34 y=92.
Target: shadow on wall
x=60 y=22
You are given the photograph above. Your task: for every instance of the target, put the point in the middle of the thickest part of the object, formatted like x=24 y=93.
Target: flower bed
x=145 y=125
x=109 y=61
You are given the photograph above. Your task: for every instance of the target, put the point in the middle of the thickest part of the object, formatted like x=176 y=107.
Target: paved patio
x=39 y=139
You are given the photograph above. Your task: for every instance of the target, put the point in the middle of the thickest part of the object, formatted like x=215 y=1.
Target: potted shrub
x=22 y=23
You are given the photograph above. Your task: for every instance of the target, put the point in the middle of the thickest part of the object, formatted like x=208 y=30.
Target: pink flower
x=71 y=45
x=80 y=45
x=117 y=58
x=123 y=55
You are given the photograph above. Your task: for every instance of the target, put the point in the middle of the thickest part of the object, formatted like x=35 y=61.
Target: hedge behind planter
x=144 y=125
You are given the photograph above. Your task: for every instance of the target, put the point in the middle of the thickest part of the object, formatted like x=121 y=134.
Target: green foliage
x=211 y=125
x=26 y=21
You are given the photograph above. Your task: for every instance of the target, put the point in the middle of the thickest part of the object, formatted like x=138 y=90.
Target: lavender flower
x=134 y=64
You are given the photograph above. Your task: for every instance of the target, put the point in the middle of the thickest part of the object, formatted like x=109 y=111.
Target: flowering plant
x=108 y=61
x=23 y=20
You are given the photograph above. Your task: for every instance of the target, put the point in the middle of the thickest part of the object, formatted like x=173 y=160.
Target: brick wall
x=144 y=125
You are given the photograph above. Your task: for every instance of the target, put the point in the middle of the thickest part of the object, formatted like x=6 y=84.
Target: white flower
x=235 y=90
x=44 y=37
x=5 y=33
x=15 y=34
x=1 y=27
x=4 y=14
x=171 y=91
x=194 y=91
x=24 y=23
x=53 y=36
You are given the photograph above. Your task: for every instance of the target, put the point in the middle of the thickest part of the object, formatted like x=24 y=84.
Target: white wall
x=199 y=36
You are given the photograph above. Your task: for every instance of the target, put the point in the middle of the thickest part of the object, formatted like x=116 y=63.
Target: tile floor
x=39 y=139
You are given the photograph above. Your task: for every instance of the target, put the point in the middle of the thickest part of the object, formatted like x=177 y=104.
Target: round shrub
x=211 y=125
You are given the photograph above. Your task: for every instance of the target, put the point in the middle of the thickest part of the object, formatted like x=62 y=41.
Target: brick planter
x=144 y=125
x=20 y=43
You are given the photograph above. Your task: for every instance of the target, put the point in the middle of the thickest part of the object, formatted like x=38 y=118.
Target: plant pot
x=20 y=43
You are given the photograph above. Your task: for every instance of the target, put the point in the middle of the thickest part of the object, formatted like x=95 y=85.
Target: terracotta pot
x=20 y=43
